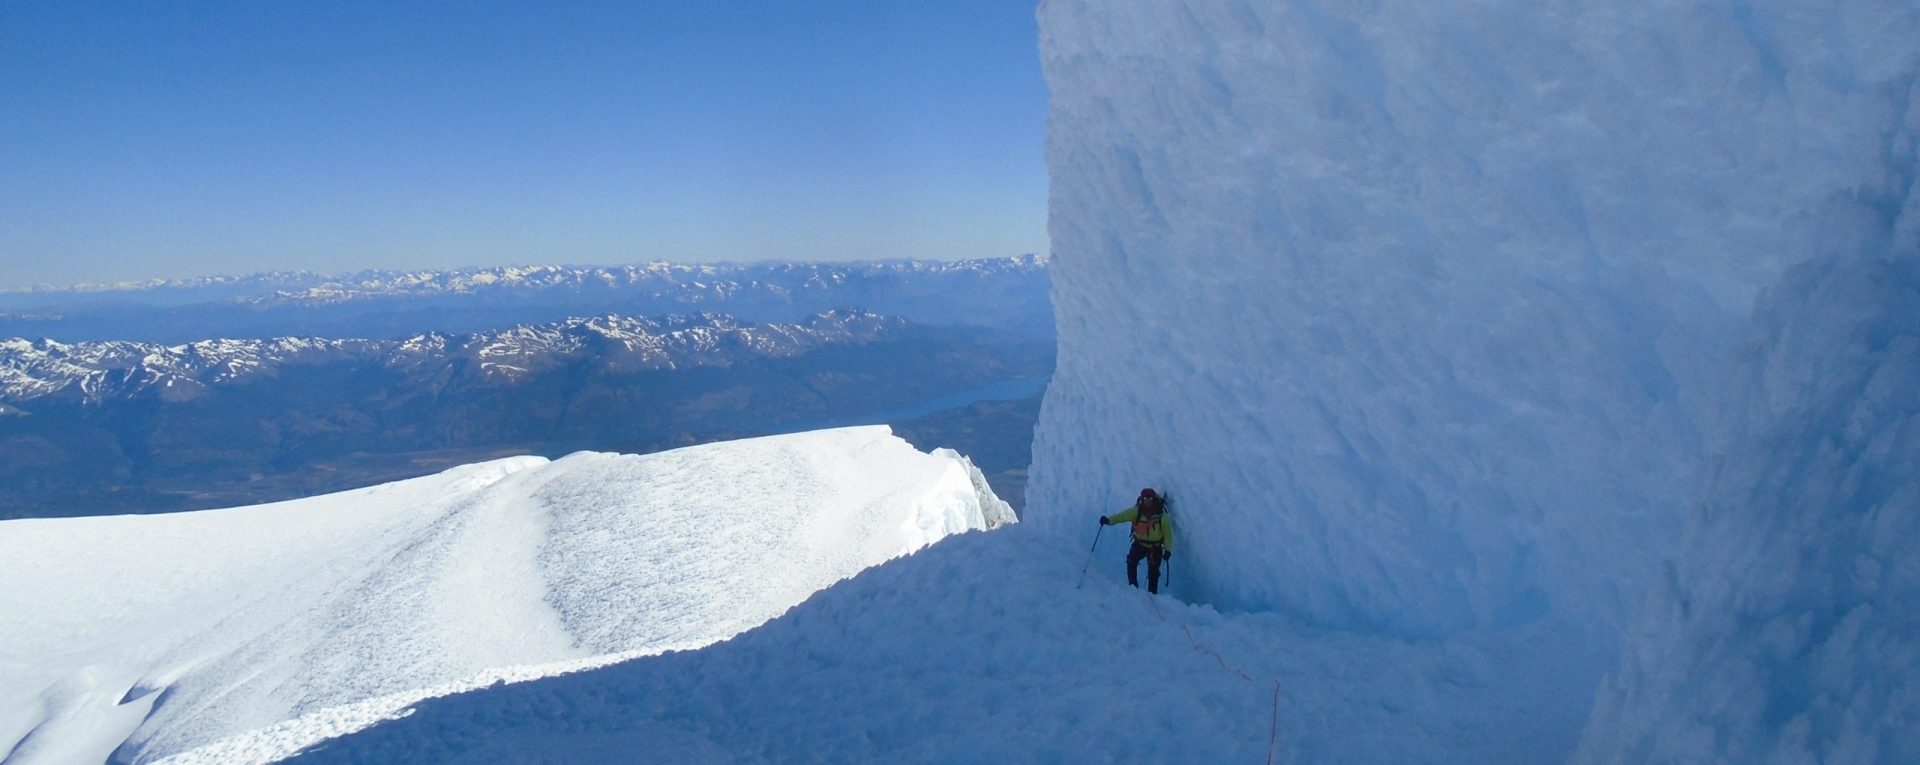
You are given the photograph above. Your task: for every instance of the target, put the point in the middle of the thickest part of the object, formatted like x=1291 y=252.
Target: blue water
x=1002 y=391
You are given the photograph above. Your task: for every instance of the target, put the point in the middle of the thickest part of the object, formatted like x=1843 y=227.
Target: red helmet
x=1144 y=493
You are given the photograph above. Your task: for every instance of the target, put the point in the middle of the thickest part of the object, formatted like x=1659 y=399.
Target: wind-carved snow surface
x=982 y=649
x=1425 y=312
x=253 y=632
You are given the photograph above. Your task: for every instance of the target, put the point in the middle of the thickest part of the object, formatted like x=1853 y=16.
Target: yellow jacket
x=1159 y=532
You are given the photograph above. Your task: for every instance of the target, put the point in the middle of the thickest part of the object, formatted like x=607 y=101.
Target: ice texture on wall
x=1788 y=629
x=1418 y=308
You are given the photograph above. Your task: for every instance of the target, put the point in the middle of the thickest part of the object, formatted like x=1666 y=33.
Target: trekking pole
x=1096 y=546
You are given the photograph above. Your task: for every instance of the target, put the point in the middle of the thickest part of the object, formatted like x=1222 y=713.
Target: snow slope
x=139 y=637
x=981 y=649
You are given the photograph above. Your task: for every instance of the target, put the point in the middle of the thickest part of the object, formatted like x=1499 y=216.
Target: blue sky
x=156 y=139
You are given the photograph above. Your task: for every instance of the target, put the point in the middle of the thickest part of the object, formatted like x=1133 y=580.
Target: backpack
x=1143 y=523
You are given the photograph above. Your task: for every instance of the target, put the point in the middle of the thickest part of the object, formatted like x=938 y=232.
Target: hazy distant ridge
x=1004 y=293
x=309 y=286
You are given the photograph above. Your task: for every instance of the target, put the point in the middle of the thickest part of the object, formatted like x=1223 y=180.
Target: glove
x=1166 y=555
x=1105 y=522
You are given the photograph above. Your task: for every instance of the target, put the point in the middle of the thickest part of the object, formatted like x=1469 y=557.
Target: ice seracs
x=1784 y=630
x=1426 y=313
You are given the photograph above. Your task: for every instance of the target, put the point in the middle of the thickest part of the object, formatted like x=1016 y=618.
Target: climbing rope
x=1273 y=725
x=1196 y=643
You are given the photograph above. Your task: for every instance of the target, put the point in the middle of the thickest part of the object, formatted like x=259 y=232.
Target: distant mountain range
x=99 y=373
x=1006 y=293
x=128 y=426
x=311 y=286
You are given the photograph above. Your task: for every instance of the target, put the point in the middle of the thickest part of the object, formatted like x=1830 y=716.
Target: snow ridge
x=143 y=637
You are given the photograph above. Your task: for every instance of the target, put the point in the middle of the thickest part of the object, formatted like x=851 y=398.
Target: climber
x=1152 y=536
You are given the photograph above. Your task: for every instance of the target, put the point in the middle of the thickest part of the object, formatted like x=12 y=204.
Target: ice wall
x=1788 y=630
x=1419 y=308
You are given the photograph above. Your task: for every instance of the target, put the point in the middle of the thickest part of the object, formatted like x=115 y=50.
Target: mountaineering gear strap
x=1152 y=529
x=1159 y=532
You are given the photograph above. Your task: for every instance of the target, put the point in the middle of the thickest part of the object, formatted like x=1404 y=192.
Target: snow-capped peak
x=95 y=371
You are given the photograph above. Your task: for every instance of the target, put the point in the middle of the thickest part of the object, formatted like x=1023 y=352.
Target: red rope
x=1273 y=726
x=1196 y=644
x=1273 y=729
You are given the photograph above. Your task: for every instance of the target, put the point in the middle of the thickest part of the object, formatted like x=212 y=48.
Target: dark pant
x=1152 y=553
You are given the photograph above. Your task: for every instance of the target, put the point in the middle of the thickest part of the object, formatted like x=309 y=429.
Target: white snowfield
x=255 y=631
